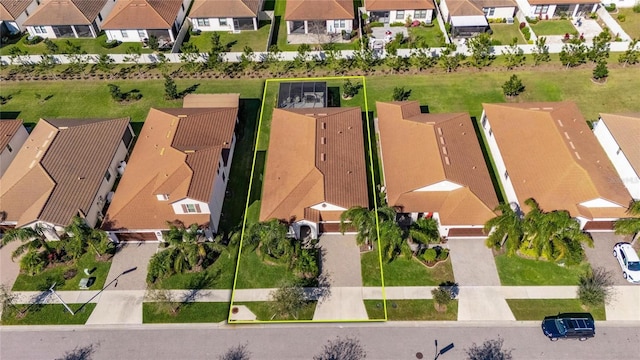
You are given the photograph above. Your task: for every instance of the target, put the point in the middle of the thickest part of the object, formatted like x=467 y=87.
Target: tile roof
x=11 y=9
x=420 y=150
x=551 y=155
x=625 y=129
x=314 y=156
x=474 y=7
x=377 y=5
x=57 y=172
x=558 y=2
x=298 y=10
x=8 y=128
x=66 y=12
x=142 y=14
x=177 y=154
x=224 y=8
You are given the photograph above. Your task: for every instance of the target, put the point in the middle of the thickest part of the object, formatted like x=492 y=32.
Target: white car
x=628 y=260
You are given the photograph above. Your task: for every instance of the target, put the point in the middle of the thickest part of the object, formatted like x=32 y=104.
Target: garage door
x=466 y=232
x=599 y=226
x=141 y=236
x=329 y=227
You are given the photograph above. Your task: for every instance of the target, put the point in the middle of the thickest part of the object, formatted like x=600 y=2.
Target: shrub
x=593 y=16
x=32 y=40
x=430 y=255
x=610 y=7
x=595 y=287
x=495 y=42
x=350 y=89
x=513 y=86
x=397 y=23
x=522 y=25
x=376 y=24
x=526 y=33
x=532 y=20
x=109 y=44
x=622 y=17
x=427 y=24
x=600 y=71
x=443 y=254
x=636 y=7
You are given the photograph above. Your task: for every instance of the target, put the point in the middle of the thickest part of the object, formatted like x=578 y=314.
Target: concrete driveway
x=9 y=269
x=601 y=254
x=473 y=263
x=131 y=255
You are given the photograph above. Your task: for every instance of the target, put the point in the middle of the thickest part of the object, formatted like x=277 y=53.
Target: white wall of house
x=331 y=26
x=502 y=13
x=51 y=231
x=16 y=25
x=216 y=24
x=42 y=31
x=630 y=178
x=220 y=187
x=182 y=13
x=192 y=204
x=444 y=10
x=325 y=206
x=542 y=10
x=9 y=152
x=444 y=185
x=298 y=224
x=104 y=13
x=131 y=35
x=424 y=16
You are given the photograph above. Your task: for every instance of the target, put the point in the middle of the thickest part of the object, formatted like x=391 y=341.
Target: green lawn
x=90 y=46
x=505 y=33
x=45 y=279
x=50 y=314
x=537 y=309
x=217 y=276
x=553 y=27
x=403 y=272
x=431 y=35
x=263 y=311
x=515 y=270
x=253 y=273
x=256 y=40
x=416 y=310
x=631 y=24
x=196 y=312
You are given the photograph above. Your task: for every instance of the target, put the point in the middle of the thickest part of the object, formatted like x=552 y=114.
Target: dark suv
x=569 y=326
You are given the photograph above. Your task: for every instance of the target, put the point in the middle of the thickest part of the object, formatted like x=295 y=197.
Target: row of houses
x=136 y=20
x=316 y=168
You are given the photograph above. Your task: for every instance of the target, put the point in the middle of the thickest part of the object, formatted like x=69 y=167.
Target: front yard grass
x=406 y=310
x=217 y=276
x=90 y=46
x=253 y=273
x=537 y=309
x=505 y=33
x=45 y=279
x=403 y=272
x=49 y=314
x=263 y=311
x=631 y=23
x=195 y=312
x=518 y=271
x=256 y=40
x=553 y=27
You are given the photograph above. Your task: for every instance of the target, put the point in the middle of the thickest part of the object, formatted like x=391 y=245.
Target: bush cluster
x=610 y=7
x=622 y=17
x=526 y=32
x=32 y=40
x=109 y=44
x=636 y=7
x=533 y=20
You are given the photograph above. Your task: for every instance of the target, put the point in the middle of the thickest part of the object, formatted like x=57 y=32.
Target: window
x=203 y=22
x=484 y=121
x=541 y=9
x=490 y=132
x=107 y=175
x=223 y=177
x=489 y=11
x=617 y=152
x=9 y=148
x=99 y=17
x=40 y=29
x=191 y=208
x=127 y=137
x=223 y=21
x=162 y=197
x=124 y=33
x=142 y=34
x=27 y=12
x=420 y=14
x=400 y=15
x=182 y=6
x=506 y=175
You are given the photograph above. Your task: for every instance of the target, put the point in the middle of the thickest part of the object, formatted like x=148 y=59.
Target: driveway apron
x=601 y=255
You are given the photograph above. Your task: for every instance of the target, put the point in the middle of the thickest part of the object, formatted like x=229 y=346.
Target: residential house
x=434 y=167
x=225 y=15
x=12 y=135
x=13 y=13
x=137 y=20
x=389 y=11
x=319 y=16
x=65 y=168
x=553 y=9
x=68 y=18
x=618 y=134
x=471 y=17
x=178 y=171
x=315 y=169
x=547 y=152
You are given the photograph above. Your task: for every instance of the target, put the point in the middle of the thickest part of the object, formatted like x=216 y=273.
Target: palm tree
x=363 y=220
x=392 y=241
x=186 y=251
x=506 y=229
x=424 y=231
x=630 y=225
x=270 y=237
x=32 y=239
x=80 y=236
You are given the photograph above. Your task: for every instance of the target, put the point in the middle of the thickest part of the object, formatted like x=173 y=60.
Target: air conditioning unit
x=509 y=20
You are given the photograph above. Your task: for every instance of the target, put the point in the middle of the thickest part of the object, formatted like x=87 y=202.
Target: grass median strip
x=399 y=310
x=537 y=309
x=49 y=314
x=264 y=312
x=196 y=312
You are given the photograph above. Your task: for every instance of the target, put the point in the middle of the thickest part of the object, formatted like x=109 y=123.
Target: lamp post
x=443 y=350
x=60 y=299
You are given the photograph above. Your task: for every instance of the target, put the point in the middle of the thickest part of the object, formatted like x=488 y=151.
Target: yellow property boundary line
x=375 y=204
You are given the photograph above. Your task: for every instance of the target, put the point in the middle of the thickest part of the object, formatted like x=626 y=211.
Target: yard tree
x=189 y=54
x=490 y=349
x=505 y=230
x=134 y=55
x=246 y=58
x=424 y=231
x=104 y=63
x=421 y=58
x=596 y=287
x=573 y=54
x=401 y=94
x=304 y=259
x=31 y=239
x=77 y=57
x=350 y=89
x=513 y=86
x=601 y=72
x=630 y=225
x=449 y=59
x=334 y=60
x=237 y=352
x=215 y=55
x=287 y=300
x=163 y=300
x=303 y=58
x=395 y=61
x=270 y=238
x=18 y=56
x=161 y=62
x=599 y=50
x=392 y=241
x=514 y=55
x=480 y=48
x=363 y=221
x=47 y=65
x=52 y=47
x=632 y=55
x=154 y=43
x=80 y=238
x=342 y=349
x=441 y=298
x=541 y=51
x=364 y=59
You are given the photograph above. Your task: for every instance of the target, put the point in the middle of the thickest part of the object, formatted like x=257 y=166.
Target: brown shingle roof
x=383 y=5
x=66 y=12
x=298 y=10
x=59 y=169
x=142 y=14
x=224 y=8
x=555 y=2
x=551 y=155
x=315 y=156
x=8 y=128
x=625 y=129
x=177 y=154
x=420 y=150
x=11 y=9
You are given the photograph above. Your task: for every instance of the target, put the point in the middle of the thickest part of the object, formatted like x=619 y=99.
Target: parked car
x=569 y=326
x=628 y=260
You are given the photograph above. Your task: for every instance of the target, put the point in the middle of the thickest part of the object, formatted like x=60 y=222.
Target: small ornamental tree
x=441 y=298
x=490 y=349
x=513 y=86
x=170 y=88
x=349 y=89
x=288 y=300
x=154 y=43
x=541 y=51
x=600 y=72
x=401 y=94
x=631 y=56
x=595 y=287
x=342 y=349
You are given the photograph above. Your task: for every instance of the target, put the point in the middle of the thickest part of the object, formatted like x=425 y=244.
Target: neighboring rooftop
x=8 y=128
x=142 y=14
x=66 y=12
x=299 y=10
x=561 y=2
x=385 y=5
x=224 y=8
x=11 y=9
x=475 y=7
x=625 y=129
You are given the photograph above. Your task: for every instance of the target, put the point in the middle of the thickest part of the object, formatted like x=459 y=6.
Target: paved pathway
x=129 y=256
x=473 y=263
x=9 y=269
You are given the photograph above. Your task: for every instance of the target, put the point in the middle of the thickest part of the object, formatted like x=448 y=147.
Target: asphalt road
x=388 y=341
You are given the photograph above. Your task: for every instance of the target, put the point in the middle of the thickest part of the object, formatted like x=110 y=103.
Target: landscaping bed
x=518 y=271
x=407 y=310
x=196 y=312
x=49 y=314
x=537 y=309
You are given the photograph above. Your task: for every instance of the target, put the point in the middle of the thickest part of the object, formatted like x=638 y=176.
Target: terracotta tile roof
x=224 y=8
x=625 y=128
x=142 y=14
x=315 y=156
x=558 y=2
x=57 y=172
x=463 y=8
x=8 y=128
x=66 y=12
x=298 y=10
x=177 y=154
x=420 y=150
x=382 y=5
x=11 y=9
x=552 y=156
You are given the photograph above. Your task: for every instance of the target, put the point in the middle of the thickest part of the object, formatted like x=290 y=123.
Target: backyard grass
x=264 y=312
x=431 y=35
x=196 y=312
x=90 y=46
x=505 y=33
x=45 y=279
x=537 y=309
x=518 y=271
x=403 y=272
x=253 y=273
x=50 y=314
x=631 y=24
x=417 y=310
x=553 y=27
x=256 y=40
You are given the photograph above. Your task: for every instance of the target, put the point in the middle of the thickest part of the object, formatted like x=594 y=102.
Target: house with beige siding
x=13 y=14
x=547 y=9
x=469 y=17
x=319 y=16
x=390 y=11
x=225 y=15
x=12 y=135
x=69 y=18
